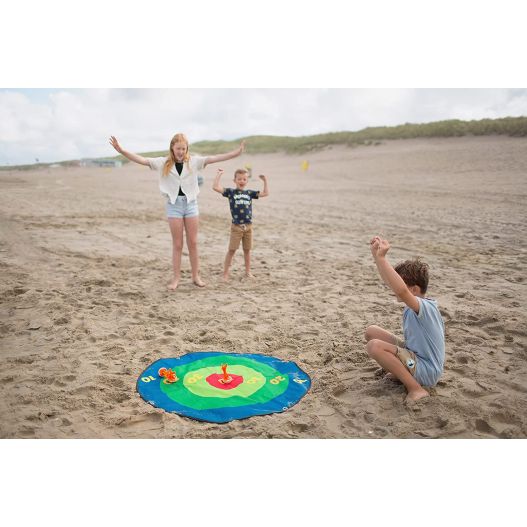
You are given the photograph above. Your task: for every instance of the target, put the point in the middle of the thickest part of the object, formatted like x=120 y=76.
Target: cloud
x=69 y=124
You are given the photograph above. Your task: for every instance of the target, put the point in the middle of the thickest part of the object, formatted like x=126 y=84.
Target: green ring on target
x=200 y=395
x=196 y=382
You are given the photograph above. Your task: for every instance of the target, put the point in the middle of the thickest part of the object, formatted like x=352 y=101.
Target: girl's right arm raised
x=132 y=157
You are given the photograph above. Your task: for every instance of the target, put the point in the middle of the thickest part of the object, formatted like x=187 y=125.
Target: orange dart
x=226 y=378
x=169 y=375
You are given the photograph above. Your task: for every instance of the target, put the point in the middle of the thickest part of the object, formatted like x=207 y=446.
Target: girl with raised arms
x=178 y=182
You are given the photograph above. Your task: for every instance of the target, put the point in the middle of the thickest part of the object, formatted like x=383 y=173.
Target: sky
x=60 y=124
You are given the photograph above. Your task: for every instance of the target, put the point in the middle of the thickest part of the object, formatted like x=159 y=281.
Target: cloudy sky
x=58 y=124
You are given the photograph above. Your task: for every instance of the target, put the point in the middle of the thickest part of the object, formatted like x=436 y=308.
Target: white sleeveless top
x=188 y=181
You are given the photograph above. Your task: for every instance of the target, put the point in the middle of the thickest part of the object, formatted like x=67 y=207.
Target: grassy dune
x=258 y=144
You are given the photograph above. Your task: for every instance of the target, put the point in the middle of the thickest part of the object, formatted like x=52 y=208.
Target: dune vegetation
x=259 y=144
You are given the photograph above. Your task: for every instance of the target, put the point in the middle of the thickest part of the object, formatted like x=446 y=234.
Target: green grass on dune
x=264 y=144
x=260 y=144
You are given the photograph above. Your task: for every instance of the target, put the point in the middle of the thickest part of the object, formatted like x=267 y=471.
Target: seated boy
x=419 y=359
x=240 y=201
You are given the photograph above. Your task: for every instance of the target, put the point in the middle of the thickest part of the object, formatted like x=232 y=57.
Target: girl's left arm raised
x=224 y=157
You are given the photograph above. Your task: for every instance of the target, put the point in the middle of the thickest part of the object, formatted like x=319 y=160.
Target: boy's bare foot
x=225 y=277
x=197 y=281
x=172 y=286
x=249 y=275
x=415 y=395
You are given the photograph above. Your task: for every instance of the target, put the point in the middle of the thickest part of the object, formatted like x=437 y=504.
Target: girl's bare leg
x=176 y=230
x=191 y=230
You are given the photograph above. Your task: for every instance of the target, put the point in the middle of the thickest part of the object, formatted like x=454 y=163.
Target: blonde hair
x=240 y=171
x=171 y=160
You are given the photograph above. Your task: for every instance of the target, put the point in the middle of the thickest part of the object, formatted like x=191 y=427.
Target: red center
x=215 y=380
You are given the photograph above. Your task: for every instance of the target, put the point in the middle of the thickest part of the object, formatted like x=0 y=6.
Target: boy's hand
x=384 y=247
x=379 y=247
x=242 y=146
x=216 y=185
x=262 y=177
x=374 y=246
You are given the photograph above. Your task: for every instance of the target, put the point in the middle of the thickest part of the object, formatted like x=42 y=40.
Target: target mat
x=220 y=387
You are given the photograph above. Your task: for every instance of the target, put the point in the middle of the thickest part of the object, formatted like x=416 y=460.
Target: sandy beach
x=85 y=258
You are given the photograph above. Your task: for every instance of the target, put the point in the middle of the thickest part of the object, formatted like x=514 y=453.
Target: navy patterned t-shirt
x=241 y=204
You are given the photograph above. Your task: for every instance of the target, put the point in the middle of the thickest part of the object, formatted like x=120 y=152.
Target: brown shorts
x=241 y=233
x=406 y=356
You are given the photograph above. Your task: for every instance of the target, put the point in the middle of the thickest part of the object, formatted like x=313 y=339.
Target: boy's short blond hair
x=414 y=272
x=240 y=171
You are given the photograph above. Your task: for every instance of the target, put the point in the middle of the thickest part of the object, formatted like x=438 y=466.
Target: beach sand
x=85 y=258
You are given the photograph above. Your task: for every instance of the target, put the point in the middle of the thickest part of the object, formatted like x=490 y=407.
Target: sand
x=85 y=256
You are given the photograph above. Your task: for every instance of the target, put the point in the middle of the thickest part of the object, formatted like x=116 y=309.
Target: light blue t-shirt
x=424 y=334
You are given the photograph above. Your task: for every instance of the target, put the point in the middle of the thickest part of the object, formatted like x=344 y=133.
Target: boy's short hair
x=240 y=171
x=414 y=272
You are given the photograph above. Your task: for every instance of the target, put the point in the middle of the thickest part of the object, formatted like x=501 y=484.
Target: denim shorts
x=182 y=208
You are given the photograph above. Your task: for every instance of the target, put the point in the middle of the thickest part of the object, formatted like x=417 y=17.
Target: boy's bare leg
x=176 y=230
x=384 y=354
x=375 y=332
x=191 y=228
x=227 y=264
x=247 y=258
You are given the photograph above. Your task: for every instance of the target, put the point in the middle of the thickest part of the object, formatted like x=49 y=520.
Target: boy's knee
x=370 y=332
x=373 y=346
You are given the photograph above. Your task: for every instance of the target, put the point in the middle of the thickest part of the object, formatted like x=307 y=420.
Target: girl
x=178 y=182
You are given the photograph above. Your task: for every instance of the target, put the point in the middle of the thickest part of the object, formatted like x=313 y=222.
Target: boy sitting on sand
x=240 y=200
x=419 y=359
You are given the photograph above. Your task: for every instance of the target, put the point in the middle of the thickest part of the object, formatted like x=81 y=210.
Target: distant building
x=113 y=163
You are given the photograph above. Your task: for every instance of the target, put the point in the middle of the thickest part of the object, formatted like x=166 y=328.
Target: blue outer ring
x=151 y=393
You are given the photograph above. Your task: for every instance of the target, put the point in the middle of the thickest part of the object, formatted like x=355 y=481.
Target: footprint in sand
x=462 y=359
x=143 y=422
x=482 y=426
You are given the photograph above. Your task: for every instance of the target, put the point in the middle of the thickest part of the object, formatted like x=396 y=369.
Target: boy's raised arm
x=265 y=191
x=216 y=185
x=379 y=248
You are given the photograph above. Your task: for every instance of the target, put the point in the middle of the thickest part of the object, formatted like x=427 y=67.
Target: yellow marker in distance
x=305 y=166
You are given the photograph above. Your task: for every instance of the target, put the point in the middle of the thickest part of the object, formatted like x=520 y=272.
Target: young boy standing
x=240 y=201
x=420 y=358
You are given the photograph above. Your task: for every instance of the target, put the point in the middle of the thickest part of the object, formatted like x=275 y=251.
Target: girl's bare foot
x=225 y=277
x=249 y=275
x=415 y=395
x=172 y=286
x=197 y=281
